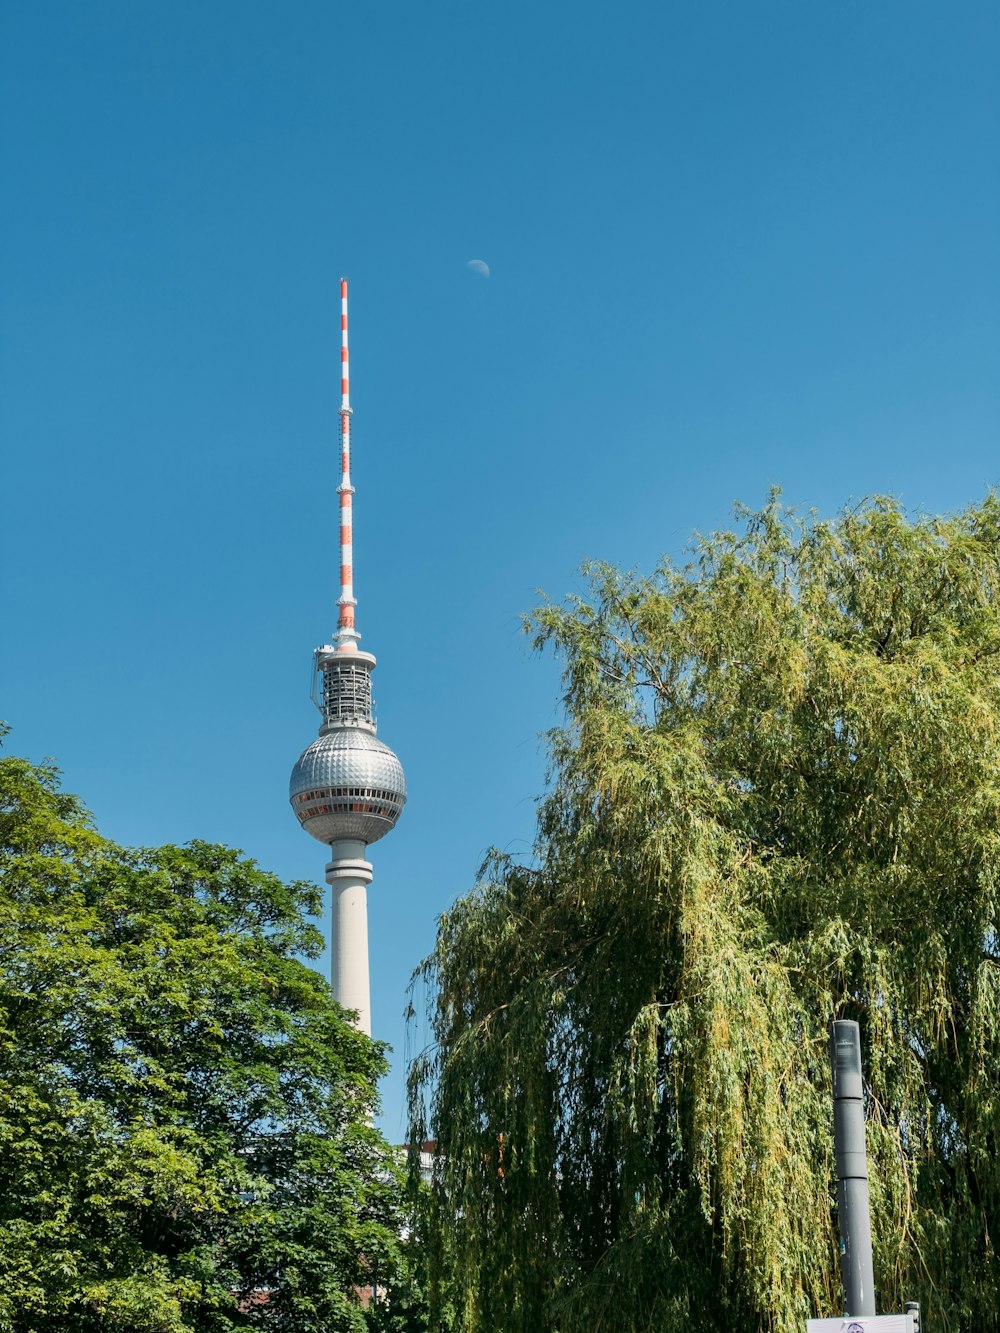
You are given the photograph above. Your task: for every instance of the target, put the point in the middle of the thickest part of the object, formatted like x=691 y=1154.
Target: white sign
x=882 y=1323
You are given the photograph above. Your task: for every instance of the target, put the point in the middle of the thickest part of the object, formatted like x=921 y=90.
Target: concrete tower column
x=349 y=875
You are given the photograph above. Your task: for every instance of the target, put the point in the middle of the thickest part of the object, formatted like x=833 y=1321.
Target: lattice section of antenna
x=347 y=694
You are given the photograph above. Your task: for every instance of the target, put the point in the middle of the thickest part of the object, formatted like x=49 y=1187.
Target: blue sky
x=731 y=245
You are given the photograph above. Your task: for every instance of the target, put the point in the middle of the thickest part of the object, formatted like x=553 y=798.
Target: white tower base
x=349 y=875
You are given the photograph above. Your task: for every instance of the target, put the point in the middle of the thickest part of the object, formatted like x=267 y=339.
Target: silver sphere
x=347 y=784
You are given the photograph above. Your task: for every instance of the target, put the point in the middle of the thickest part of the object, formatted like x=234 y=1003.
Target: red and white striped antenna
x=347 y=635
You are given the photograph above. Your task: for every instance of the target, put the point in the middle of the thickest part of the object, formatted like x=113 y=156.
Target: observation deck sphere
x=347 y=784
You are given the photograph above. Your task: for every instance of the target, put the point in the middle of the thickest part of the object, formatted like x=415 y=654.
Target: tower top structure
x=347 y=784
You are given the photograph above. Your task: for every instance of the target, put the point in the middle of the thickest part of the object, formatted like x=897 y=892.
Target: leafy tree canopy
x=185 y=1136
x=776 y=798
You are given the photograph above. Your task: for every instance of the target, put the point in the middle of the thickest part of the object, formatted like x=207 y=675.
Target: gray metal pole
x=852 y=1169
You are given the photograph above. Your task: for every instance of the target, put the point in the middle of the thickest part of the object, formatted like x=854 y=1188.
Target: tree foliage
x=185 y=1136
x=775 y=799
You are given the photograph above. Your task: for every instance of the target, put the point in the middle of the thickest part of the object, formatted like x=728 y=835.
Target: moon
x=479 y=266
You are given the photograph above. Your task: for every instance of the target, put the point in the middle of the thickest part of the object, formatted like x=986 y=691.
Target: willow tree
x=775 y=798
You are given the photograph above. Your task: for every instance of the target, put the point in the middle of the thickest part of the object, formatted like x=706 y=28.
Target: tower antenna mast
x=347 y=635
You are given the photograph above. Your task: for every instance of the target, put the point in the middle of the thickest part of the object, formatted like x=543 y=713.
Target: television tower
x=347 y=788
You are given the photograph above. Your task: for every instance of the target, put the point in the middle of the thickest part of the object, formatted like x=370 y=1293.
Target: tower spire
x=347 y=635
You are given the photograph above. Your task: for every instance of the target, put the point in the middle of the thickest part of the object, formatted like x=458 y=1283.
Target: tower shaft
x=349 y=875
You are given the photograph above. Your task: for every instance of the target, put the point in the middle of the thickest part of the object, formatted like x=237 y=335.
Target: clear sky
x=730 y=244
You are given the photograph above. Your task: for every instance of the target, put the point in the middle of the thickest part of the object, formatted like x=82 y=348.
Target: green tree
x=776 y=798
x=185 y=1134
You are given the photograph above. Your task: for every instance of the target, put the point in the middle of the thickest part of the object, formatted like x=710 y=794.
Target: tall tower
x=347 y=788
